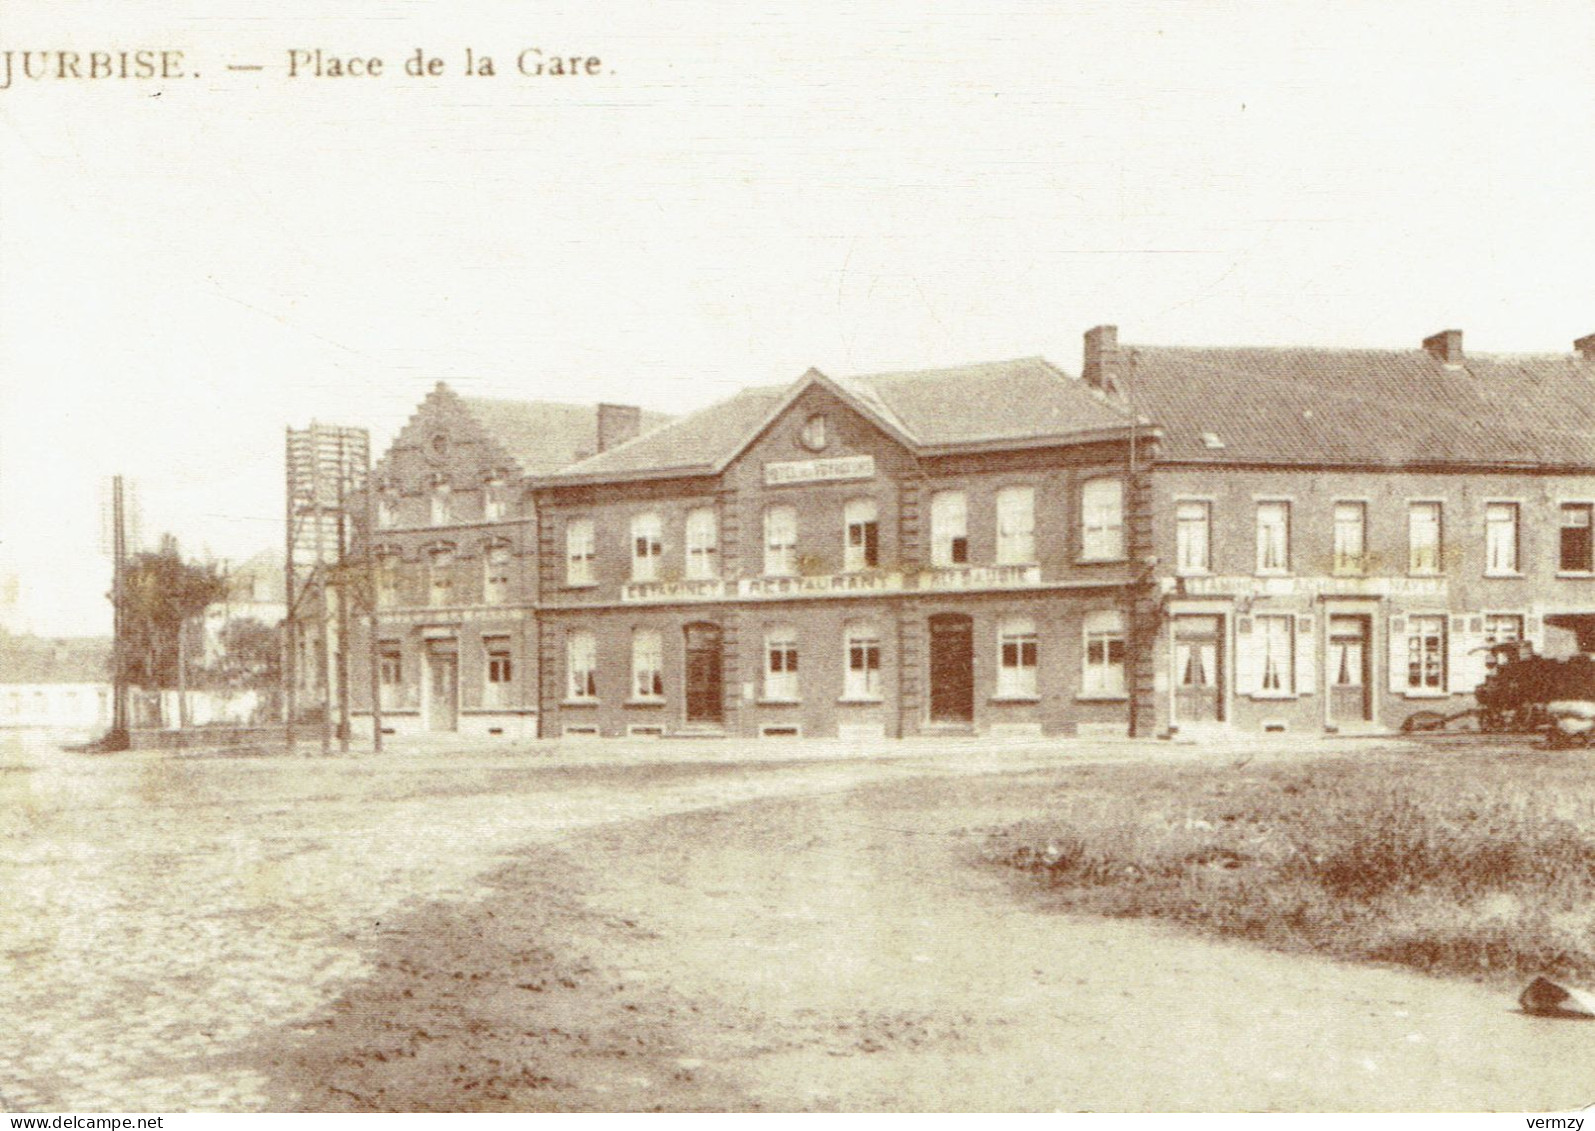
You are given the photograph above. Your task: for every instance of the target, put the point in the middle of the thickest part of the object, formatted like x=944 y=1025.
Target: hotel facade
x=1177 y=540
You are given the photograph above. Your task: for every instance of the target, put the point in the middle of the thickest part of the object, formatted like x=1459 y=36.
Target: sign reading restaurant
x=957 y=579
x=819 y=470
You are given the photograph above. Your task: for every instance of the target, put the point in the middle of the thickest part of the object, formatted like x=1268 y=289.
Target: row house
x=1339 y=535
x=454 y=550
x=1177 y=540
x=944 y=551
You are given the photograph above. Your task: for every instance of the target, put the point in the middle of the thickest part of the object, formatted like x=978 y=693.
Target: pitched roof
x=543 y=436
x=1003 y=401
x=39 y=659
x=1023 y=399
x=1365 y=407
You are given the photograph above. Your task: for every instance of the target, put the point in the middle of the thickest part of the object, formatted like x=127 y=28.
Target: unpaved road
x=160 y=913
x=844 y=950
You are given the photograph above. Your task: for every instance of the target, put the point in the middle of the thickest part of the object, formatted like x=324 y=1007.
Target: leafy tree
x=161 y=594
x=251 y=655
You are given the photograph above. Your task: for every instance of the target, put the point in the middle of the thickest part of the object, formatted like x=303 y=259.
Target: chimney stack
x=1100 y=365
x=1586 y=347
x=1445 y=346
x=617 y=423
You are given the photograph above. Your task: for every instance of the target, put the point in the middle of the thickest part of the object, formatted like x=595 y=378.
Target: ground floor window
x=781 y=663
x=1016 y=647
x=500 y=672
x=390 y=674
x=1103 y=673
x=1426 y=653
x=1276 y=648
x=647 y=664
x=863 y=679
x=581 y=657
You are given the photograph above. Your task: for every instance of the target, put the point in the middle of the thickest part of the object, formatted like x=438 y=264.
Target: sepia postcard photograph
x=739 y=557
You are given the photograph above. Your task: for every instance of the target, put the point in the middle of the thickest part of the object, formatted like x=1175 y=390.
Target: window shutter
x=1306 y=655
x=1397 y=654
x=1248 y=677
x=1464 y=663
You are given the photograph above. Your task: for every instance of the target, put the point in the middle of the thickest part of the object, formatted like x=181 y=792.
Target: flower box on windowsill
x=1015 y=699
x=862 y=700
x=594 y=702
x=659 y=702
x=767 y=702
x=1102 y=697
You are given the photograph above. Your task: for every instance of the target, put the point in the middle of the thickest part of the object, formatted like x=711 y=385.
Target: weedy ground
x=1474 y=859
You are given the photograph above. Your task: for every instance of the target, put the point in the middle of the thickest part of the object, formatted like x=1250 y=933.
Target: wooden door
x=952 y=668
x=705 y=678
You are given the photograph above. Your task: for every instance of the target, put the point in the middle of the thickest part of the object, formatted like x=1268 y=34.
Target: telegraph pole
x=290 y=623
x=373 y=645
x=117 y=737
x=343 y=596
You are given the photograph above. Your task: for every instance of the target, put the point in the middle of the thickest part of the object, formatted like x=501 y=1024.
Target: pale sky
x=189 y=266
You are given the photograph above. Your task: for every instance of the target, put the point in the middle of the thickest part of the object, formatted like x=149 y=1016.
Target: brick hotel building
x=1177 y=539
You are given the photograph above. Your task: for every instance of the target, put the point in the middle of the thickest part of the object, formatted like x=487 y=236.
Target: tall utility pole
x=117 y=738
x=326 y=466
x=373 y=584
x=290 y=640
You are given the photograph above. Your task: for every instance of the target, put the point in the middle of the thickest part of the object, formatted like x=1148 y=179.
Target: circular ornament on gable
x=437 y=448
x=813 y=434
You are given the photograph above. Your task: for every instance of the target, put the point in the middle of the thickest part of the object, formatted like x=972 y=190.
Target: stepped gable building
x=869 y=557
x=1339 y=533
x=455 y=542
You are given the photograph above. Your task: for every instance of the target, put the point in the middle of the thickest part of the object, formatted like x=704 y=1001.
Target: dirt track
x=845 y=952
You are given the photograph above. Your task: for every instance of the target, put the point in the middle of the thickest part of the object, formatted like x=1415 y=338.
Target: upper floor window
x=440 y=576
x=494 y=500
x=647 y=664
x=1102 y=672
x=863 y=676
x=441 y=511
x=647 y=545
x=387 y=512
x=579 y=552
x=949 y=528
x=387 y=580
x=1500 y=539
x=780 y=541
x=581 y=665
x=1577 y=549
x=703 y=539
x=1102 y=520
x=1016 y=658
x=1351 y=521
x=1423 y=538
x=496 y=575
x=1273 y=537
x=1193 y=537
x=781 y=663
x=861 y=550
x=1016 y=525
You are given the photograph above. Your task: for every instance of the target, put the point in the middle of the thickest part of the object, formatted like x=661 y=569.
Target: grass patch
x=1472 y=861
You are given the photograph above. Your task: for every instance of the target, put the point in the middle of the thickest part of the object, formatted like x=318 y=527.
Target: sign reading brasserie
x=818 y=470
